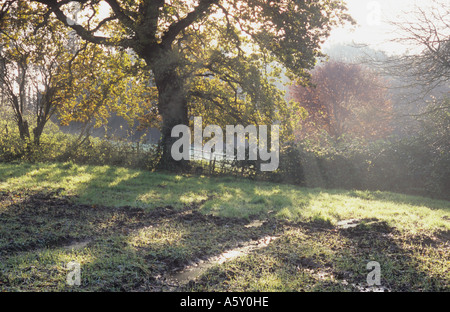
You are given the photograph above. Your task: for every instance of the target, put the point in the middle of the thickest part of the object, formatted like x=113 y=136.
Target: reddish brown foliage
x=346 y=99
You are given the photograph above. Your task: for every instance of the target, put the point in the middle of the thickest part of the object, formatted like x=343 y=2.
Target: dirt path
x=192 y=272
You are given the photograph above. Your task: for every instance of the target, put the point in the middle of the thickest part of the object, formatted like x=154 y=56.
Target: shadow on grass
x=116 y=187
x=321 y=259
x=128 y=247
x=134 y=245
x=404 y=260
x=133 y=249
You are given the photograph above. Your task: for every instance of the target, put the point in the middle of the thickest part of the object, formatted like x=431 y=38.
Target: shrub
x=58 y=146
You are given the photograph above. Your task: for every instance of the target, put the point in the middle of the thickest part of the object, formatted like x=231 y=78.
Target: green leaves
x=246 y=34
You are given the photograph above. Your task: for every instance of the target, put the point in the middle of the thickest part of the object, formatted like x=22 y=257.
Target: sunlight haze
x=374 y=28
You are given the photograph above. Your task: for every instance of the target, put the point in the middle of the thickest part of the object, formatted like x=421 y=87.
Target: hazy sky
x=373 y=18
x=373 y=27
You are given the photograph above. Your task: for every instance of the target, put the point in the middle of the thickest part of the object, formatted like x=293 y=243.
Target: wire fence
x=214 y=162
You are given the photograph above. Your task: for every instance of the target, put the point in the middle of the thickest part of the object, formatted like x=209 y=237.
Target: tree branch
x=174 y=29
x=88 y=35
x=121 y=15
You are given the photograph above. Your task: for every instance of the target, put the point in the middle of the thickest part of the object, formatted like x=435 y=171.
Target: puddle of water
x=346 y=224
x=367 y=288
x=371 y=288
x=193 y=272
x=77 y=245
x=254 y=224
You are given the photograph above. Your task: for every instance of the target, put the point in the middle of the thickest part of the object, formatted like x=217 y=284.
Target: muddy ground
x=183 y=249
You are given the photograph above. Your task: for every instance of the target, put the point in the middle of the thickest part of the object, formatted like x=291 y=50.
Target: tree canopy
x=346 y=99
x=46 y=71
x=215 y=58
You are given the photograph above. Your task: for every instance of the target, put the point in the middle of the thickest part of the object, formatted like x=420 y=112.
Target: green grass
x=228 y=197
x=139 y=226
x=325 y=261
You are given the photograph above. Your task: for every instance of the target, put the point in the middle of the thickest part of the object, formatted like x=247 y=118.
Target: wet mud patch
x=193 y=271
x=168 y=249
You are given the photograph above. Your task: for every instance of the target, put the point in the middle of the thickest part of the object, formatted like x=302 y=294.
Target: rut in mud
x=167 y=249
x=193 y=271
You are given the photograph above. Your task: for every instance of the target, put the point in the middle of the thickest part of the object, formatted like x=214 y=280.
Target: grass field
x=135 y=230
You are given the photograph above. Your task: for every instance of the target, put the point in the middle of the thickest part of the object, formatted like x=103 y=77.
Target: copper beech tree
x=346 y=99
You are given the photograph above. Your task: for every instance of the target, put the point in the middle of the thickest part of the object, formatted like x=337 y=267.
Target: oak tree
x=177 y=40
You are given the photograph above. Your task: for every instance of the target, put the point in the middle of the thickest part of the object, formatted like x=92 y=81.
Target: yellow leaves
x=106 y=81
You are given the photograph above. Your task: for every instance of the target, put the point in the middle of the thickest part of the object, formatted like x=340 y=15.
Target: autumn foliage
x=344 y=100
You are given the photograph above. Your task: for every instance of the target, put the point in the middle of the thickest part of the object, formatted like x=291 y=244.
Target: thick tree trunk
x=172 y=106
